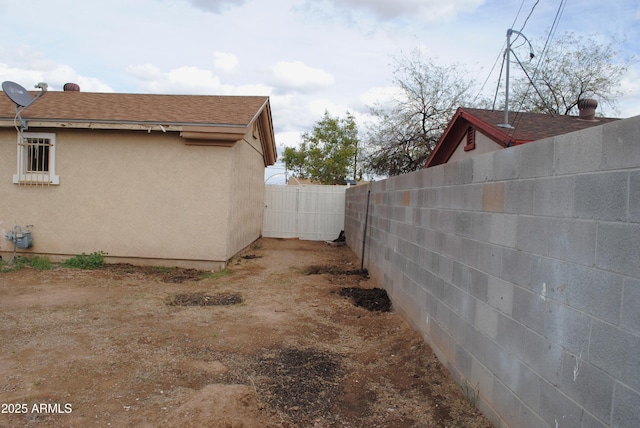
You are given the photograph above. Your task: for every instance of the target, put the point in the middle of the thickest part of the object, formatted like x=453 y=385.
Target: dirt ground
x=274 y=341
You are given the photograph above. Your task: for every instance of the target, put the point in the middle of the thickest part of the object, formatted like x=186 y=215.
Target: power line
x=554 y=27
x=529 y=16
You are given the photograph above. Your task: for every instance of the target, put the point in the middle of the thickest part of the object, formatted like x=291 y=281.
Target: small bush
x=40 y=263
x=16 y=264
x=84 y=261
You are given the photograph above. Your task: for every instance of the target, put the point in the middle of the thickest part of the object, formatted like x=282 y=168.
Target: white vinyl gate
x=308 y=212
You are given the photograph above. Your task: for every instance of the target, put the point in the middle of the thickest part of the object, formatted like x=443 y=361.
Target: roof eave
x=450 y=139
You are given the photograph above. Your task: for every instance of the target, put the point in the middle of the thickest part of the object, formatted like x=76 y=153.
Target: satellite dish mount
x=22 y=99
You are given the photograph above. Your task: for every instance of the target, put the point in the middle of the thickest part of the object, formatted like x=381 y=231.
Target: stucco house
x=174 y=180
x=475 y=131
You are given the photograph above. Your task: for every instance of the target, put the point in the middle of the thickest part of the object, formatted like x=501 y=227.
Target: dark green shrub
x=84 y=261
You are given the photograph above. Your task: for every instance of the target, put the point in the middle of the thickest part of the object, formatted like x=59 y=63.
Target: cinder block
x=516 y=267
x=630 y=318
x=587 y=385
x=453 y=297
x=486 y=319
x=620 y=144
x=506 y=164
x=490 y=259
x=443 y=314
x=626 y=411
x=571 y=240
x=483 y=168
x=500 y=295
x=529 y=419
x=518 y=196
x=474 y=342
x=589 y=421
x=453 y=197
x=504 y=230
x=574 y=241
x=543 y=356
x=506 y=403
x=463 y=361
x=445 y=269
x=537 y=159
x=534 y=234
x=592 y=291
x=437 y=175
x=567 y=327
x=602 y=196
x=469 y=252
x=481 y=378
x=634 y=197
x=472 y=197
x=618 y=249
x=461 y=275
x=527 y=386
x=529 y=309
x=479 y=285
x=510 y=335
x=493 y=197
x=460 y=172
x=616 y=351
x=463 y=224
x=578 y=152
x=557 y=409
x=554 y=196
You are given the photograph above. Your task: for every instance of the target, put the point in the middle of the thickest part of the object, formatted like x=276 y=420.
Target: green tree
x=329 y=153
x=571 y=69
x=406 y=130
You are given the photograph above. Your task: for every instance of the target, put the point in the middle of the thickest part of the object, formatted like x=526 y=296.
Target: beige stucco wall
x=483 y=145
x=247 y=195
x=145 y=197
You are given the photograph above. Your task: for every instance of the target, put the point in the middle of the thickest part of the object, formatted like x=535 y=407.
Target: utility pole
x=507 y=55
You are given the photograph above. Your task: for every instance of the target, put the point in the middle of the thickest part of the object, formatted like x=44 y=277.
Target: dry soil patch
x=107 y=348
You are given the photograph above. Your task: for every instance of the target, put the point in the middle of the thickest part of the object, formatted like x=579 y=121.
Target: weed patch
x=84 y=261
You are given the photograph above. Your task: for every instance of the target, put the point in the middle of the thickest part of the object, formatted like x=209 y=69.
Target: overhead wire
x=551 y=34
x=500 y=53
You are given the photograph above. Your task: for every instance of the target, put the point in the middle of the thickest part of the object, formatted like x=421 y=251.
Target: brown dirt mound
x=334 y=270
x=372 y=299
x=202 y=299
x=302 y=383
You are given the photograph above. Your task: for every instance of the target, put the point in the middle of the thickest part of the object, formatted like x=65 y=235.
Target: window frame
x=24 y=175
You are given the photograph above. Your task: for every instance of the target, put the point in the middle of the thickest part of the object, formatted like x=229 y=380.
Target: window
x=36 y=159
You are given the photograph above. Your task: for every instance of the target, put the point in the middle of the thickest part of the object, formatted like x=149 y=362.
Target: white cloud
x=189 y=80
x=298 y=76
x=182 y=80
x=28 y=71
x=385 y=10
x=629 y=103
x=215 y=6
x=224 y=61
x=380 y=95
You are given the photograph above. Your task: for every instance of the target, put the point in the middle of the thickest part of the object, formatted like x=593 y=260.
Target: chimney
x=71 y=87
x=587 y=109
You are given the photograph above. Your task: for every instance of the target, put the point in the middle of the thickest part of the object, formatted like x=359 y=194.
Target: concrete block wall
x=521 y=268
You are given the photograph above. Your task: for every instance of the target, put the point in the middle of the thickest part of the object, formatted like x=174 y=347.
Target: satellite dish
x=16 y=93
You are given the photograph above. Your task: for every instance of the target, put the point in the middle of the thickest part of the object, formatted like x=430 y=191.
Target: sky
x=307 y=56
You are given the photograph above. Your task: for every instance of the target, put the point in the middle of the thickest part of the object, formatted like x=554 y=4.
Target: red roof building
x=475 y=131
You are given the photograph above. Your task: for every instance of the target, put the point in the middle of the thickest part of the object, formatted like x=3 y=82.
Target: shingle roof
x=526 y=127
x=140 y=108
x=533 y=126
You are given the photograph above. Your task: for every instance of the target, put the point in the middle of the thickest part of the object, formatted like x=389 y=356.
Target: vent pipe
x=587 y=109
x=71 y=87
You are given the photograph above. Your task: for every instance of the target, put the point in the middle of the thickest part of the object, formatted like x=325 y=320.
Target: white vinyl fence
x=308 y=212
